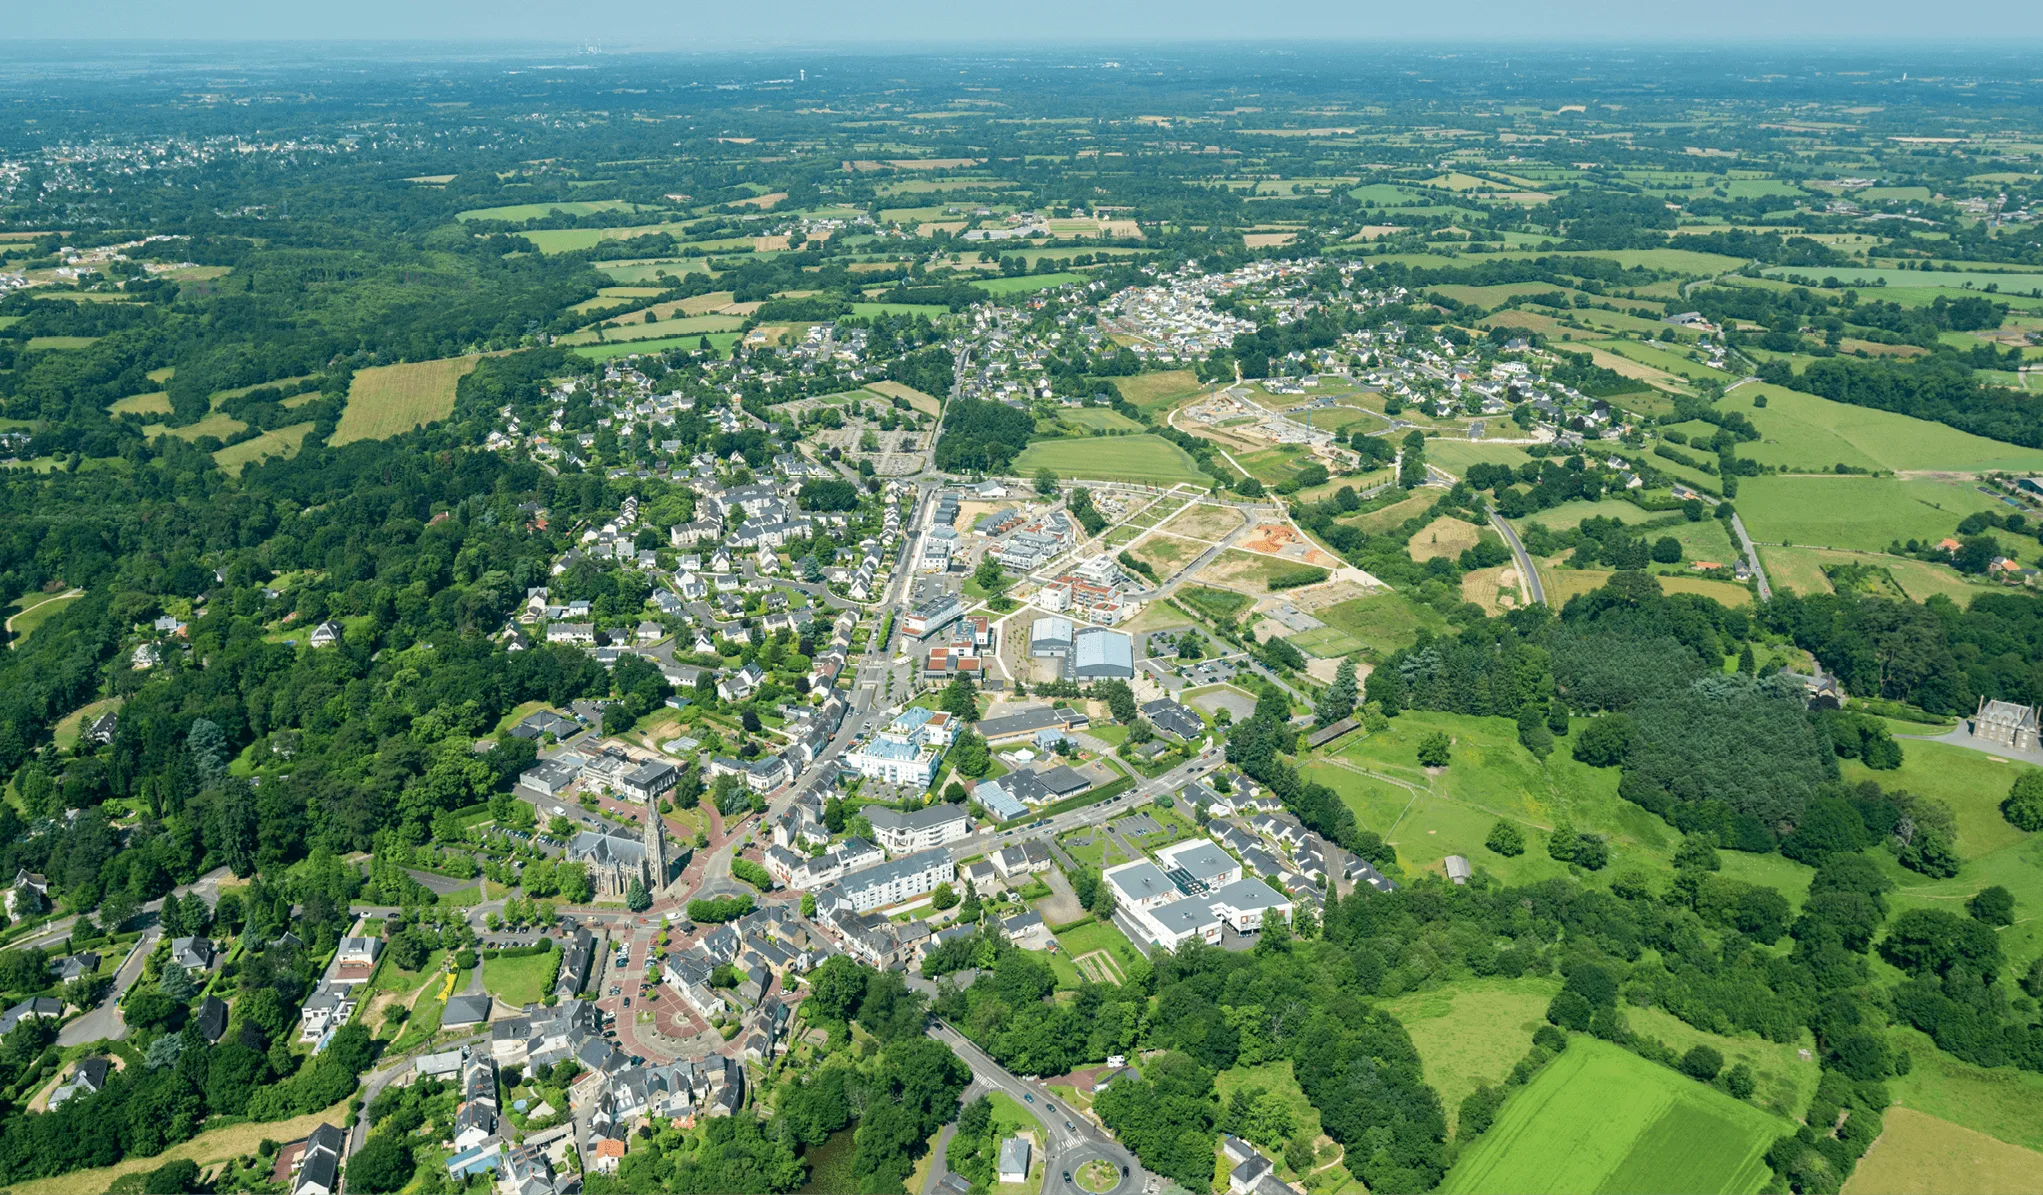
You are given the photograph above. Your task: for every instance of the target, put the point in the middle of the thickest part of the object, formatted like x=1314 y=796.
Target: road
x=1533 y=585
x=105 y=1023
x=1070 y=1140
x=1751 y=557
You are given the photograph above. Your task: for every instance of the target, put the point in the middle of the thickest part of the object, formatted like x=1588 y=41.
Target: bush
x=1602 y=743
x=1994 y=906
x=1739 y=1082
x=2024 y=805
x=1569 y=1010
x=1506 y=839
x=719 y=910
x=1434 y=749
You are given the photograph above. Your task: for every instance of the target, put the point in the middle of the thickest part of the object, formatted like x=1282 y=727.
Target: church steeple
x=656 y=848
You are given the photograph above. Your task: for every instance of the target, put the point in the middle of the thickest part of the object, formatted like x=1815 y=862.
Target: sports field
x=1856 y=512
x=1803 y=431
x=387 y=399
x=1601 y=1119
x=1143 y=459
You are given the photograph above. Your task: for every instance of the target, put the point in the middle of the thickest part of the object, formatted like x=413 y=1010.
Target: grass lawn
x=1473 y=1033
x=65 y=733
x=387 y=399
x=34 y=610
x=1328 y=643
x=1142 y=459
x=1152 y=391
x=1931 y=1156
x=1456 y=456
x=1601 y=1119
x=1383 y=622
x=719 y=342
x=1867 y=513
x=1092 y=940
x=1274 y=465
x=1026 y=282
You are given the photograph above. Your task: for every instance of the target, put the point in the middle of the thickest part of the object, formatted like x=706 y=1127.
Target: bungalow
x=327 y=633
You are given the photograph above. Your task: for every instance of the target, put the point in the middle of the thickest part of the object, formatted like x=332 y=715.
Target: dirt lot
x=1200 y=521
x=1494 y=589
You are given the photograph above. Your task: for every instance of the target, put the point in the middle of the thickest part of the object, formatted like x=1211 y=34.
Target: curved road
x=1525 y=569
x=1066 y=1149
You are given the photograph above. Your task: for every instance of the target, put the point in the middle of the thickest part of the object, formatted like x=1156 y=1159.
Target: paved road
x=105 y=1022
x=1070 y=1140
x=1752 y=557
x=1533 y=585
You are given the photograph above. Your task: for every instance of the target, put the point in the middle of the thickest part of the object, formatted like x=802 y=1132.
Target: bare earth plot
x=1444 y=536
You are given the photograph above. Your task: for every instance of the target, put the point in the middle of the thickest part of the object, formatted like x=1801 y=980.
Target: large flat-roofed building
x=1050 y=636
x=1098 y=654
x=1198 y=865
x=933 y=615
x=918 y=829
x=1141 y=885
x=891 y=882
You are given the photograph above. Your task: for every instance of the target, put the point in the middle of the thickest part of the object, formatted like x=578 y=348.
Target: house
x=102 y=729
x=327 y=633
x=609 y=1153
x=465 y=1010
x=359 y=951
x=193 y=954
x=318 y=1168
x=212 y=1018
x=48 y=1007
x=74 y=966
x=1027 y=930
x=87 y=1076
x=2006 y=724
x=1014 y=1160
x=545 y=722
x=550 y=777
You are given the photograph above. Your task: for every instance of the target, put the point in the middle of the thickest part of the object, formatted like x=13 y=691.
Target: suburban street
x=1070 y=1139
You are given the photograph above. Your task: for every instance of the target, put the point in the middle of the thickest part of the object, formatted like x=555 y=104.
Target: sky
x=902 y=24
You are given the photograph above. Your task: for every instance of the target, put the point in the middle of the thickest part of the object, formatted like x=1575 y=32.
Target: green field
x=1326 y=642
x=1383 y=622
x=719 y=342
x=34 y=610
x=1152 y=391
x=1473 y=1032
x=1601 y=1119
x=1456 y=456
x=1570 y=514
x=1220 y=604
x=283 y=441
x=1099 y=417
x=385 y=400
x=690 y=325
x=1142 y=459
x=1802 y=431
x=1877 y=279
x=519 y=981
x=1664 y=358
x=1273 y=466
x=1022 y=283
x=1868 y=513
x=518 y=213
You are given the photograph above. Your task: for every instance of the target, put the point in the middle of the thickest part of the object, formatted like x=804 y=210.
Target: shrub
x=1701 y=1063
x=1994 y=906
x=1434 y=749
x=1506 y=839
x=2024 y=805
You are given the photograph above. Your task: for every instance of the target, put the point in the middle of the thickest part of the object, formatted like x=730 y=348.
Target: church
x=615 y=857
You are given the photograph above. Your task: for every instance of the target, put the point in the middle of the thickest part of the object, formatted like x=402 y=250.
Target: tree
x=575 y=887
x=1338 y=701
x=1994 y=906
x=1557 y=716
x=1434 y=749
x=1602 y=743
x=1046 y=482
x=960 y=699
x=945 y=897
x=1667 y=550
x=1532 y=732
x=1506 y=839
x=969 y=754
x=636 y=898
x=1702 y=1063
x=1101 y=903
x=837 y=988
x=989 y=577
x=2024 y=804
x=384 y=1164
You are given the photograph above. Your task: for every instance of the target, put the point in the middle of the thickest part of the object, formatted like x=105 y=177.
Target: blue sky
x=879 y=24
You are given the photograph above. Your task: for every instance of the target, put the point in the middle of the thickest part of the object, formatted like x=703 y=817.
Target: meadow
x=518 y=213
x=1142 y=459
x=1564 y=583
x=1927 y=1155
x=1384 y=622
x=1472 y=1032
x=387 y=399
x=1803 y=431
x=1867 y=513
x=283 y=441
x=719 y=342
x=1152 y=391
x=1571 y=514
x=1601 y=1119
x=1099 y=417
x=1022 y=283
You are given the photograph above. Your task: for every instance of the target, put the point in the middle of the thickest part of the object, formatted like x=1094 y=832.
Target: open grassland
x=1601 y=1119
x=1444 y=536
x=1099 y=417
x=388 y=399
x=1802 y=431
x=924 y=403
x=1273 y=466
x=1376 y=522
x=215 y=424
x=1456 y=456
x=518 y=213
x=1784 y=1081
x=1570 y=514
x=33 y=610
x=1383 y=622
x=1473 y=1032
x=1564 y=583
x=1143 y=459
x=1166 y=553
x=1927 y=1155
x=1153 y=391
x=1249 y=572
x=156 y=402
x=688 y=325
x=2004 y=1103
x=283 y=441
x=1663 y=358
x=719 y=342
x=1801 y=570
x=1867 y=513
x=1026 y=282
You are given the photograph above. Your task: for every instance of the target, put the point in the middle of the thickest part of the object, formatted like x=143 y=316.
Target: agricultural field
x=154 y=403
x=387 y=399
x=719 y=342
x=1144 y=459
x=1601 y=1119
x=1022 y=283
x=282 y=441
x=1456 y=456
x=518 y=213
x=1570 y=514
x=1564 y=583
x=1805 y=432
x=1867 y=513
x=1927 y=1155
x=1100 y=418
